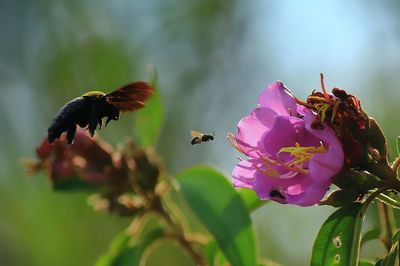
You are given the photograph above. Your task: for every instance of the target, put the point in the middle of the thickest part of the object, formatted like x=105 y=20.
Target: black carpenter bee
x=198 y=137
x=89 y=109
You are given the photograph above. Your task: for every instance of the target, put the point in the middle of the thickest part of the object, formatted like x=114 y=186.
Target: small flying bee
x=198 y=137
x=88 y=110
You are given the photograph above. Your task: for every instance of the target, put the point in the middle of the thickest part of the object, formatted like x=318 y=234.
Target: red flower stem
x=323 y=86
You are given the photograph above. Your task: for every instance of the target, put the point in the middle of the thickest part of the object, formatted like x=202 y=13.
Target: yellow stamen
x=322 y=112
x=266 y=162
x=232 y=140
x=273 y=173
x=302 y=154
x=318 y=99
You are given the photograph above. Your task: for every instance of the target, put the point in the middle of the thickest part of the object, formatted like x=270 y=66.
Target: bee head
x=111 y=111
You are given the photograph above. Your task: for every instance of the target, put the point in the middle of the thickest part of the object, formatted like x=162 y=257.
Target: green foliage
x=398 y=145
x=250 y=199
x=366 y=263
x=371 y=234
x=340 y=198
x=128 y=247
x=338 y=240
x=390 y=259
x=222 y=211
x=149 y=120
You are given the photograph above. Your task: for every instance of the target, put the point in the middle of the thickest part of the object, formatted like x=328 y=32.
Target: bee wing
x=195 y=133
x=130 y=97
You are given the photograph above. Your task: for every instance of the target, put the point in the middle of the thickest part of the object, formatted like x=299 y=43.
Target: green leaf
x=149 y=120
x=338 y=240
x=117 y=246
x=371 y=234
x=366 y=263
x=340 y=198
x=128 y=247
x=209 y=251
x=222 y=211
x=250 y=199
x=398 y=145
x=396 y=237
x=390 y=259
x=166 y=251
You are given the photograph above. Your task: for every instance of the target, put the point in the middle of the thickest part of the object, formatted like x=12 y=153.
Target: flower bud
x=354 y=179
x=340 y=198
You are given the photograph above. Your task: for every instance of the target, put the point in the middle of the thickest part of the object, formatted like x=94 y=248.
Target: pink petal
x=313 y=194
x=252 y=128
x=325 y=165
x=286 y=132
x=243 y=174
x=301 y=190
x=277 y=97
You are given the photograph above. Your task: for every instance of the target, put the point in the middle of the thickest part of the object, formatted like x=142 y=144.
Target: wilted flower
x=290 y=161
x=120 y=177
x=88 y=160
x=342 y=112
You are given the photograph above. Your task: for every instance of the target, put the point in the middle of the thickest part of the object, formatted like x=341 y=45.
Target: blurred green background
x=213 y=59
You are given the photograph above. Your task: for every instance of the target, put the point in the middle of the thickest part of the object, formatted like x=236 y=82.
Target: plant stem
x=180 y=237
x=389 y=201
x=395 y=165
x=385 y=224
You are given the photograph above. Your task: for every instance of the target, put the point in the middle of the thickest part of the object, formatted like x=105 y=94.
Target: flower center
x=301 y=154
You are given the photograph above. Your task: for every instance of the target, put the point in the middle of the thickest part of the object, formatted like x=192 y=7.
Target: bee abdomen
x=73 y=112
x=207 y=137
x=195 y=140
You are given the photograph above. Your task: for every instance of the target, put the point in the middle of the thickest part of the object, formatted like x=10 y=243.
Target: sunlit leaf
x=222 y=211
x=338 y=240
x=149 y=119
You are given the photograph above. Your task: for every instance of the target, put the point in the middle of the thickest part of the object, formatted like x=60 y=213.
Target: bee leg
x=71 y=134
x=100 y=123
x=108 y=120
x=93 y=120
x=53 y=135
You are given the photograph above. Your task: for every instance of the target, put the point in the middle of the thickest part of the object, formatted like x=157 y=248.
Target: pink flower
x=289 y=161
